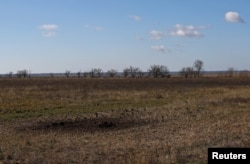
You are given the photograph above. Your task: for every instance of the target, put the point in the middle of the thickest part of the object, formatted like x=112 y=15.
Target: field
x=144 y=120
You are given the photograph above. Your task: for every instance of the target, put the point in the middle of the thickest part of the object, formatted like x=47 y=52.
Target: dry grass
x=121 y=120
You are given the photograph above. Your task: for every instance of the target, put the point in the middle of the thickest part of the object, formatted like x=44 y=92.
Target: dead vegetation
x=121 y=120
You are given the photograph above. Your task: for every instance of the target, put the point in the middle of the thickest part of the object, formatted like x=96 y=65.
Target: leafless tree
x=96 y=72
x=67 y=73
x=158 y=71
x=126 y=72
x=112 y=72
x=79 y=74
x=187 y=72
x=190 y=71
x=131 y=71
x=22 y=73
x=141 y=74
x=134 y=71
x=198 y=66
x=183 y=72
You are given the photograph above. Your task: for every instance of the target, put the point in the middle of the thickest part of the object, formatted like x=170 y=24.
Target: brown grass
x=173 y=120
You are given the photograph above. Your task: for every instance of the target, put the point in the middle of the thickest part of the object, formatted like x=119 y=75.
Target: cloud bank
x=233 y=17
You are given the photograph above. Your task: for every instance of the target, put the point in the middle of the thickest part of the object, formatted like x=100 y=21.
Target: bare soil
x=89 y=124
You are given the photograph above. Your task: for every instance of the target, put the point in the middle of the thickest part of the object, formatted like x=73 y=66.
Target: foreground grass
x=151 y=120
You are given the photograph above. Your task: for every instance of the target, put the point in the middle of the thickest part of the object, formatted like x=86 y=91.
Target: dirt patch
x=90 y=124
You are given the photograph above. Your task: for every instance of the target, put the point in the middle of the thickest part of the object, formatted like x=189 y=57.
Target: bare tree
x=198 y=66
x=154 y=71
x=95 y=72
x=22 y=73
x=190 y=71
x=126 y=72
x=141 y=74
x=98 y=72
x=79 y=74
x=158 y=71
x=134 y=71
x=112 y=72
x=187 y=72
x=183 y=72
x=67 y=73
x=25 y=73
x=131 y=71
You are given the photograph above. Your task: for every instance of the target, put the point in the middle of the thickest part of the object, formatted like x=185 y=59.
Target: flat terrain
x=144 y=120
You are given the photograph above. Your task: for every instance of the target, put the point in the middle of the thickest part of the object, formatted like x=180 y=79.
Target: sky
x=49 y=36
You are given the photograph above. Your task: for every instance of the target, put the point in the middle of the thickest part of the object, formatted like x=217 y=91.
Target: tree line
x=155 y=71
x=129 y=72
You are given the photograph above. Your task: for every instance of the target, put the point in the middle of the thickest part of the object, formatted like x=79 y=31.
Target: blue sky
x=46 y=36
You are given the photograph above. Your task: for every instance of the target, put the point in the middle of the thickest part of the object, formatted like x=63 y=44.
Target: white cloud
x=233 y=17
x=156 y=35
x=49 y=27
x=187 y=31
x=160 y=48
x=49 y=30
x=135 y=18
